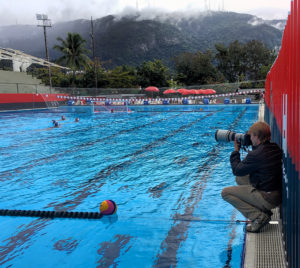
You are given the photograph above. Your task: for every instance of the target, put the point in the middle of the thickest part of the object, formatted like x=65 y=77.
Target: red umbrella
x=181 y=90
x=200 y=91
x=188 y=92
x=193 y=91
x=210 y=91
x=169 y=91
x=152 y=89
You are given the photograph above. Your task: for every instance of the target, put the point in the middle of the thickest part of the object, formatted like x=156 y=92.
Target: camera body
x=228 y=135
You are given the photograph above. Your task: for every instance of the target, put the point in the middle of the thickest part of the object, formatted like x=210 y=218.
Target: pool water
x=160 y=164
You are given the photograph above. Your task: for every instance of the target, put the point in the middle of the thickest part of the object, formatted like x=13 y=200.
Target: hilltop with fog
x=133 y=38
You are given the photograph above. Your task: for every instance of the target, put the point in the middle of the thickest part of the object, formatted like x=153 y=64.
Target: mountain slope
x=133 y=39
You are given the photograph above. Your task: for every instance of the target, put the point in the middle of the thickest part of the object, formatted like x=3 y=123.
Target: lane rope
x=51 y=214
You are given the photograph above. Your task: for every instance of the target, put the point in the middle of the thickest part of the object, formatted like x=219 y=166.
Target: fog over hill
x=135 y=37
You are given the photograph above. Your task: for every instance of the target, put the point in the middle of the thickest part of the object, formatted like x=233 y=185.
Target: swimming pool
x=160 y=164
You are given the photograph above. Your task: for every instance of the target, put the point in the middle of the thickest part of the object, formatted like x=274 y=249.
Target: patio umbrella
x=181 y=90
x=152 y=89
x=193 y=91
x=185 y=92
x=210 y=91
x=189 y=92
x=200 y=91
x=169 y=91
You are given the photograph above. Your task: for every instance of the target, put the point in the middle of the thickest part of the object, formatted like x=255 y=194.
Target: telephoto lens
x=228 y=135
x=243 y=139
x=224 y=135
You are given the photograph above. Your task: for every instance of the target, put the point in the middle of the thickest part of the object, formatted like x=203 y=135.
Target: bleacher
x=18 y=81
x=21 y=82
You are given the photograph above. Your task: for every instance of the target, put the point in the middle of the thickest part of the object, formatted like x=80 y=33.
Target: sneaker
x=269 y=212
x=256 y=225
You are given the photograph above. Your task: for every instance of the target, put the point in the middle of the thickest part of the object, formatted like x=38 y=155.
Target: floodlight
x=45 y=23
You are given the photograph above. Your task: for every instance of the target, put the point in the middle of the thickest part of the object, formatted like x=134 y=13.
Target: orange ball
x=108 y=207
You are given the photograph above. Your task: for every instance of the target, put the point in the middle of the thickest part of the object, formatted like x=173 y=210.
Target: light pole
x=45 y=22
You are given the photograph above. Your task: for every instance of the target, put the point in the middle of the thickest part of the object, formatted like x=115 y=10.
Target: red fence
x=15 y=101
x=282 y=113
x=27 y=97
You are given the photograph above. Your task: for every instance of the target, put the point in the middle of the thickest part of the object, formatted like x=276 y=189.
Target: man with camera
x=259 y=178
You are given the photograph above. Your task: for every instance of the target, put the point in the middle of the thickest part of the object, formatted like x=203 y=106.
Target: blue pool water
x=162 y=167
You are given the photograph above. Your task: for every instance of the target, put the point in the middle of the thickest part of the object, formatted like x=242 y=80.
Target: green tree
x=257 y=58
x=122 y=77
x=74 y=53
x=58 y=77
x=88 y=77
x=153 y=73
x=264 y=71
x=249 y=61
x=196 y=68
x=230 y=61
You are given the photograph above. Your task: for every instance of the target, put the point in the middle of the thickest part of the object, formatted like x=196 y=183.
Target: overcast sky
x=23 y=11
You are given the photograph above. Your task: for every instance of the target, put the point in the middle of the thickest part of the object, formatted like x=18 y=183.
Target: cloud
x=70 y=10
x=23 y=12
x=270 y=13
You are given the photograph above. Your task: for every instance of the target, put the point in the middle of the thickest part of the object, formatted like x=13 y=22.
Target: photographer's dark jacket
x=263 y=164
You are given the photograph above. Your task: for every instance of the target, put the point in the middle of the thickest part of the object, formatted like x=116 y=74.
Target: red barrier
x=28 y=97
x=283 y=113
x=282 y=86
x=28 y=101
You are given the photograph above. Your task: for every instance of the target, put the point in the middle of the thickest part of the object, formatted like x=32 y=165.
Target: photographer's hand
x=237 y=146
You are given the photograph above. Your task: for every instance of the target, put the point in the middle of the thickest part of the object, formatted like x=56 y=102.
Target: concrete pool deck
x=265 y=249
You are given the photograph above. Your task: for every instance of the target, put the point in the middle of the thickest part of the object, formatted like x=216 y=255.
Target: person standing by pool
x=259 y=178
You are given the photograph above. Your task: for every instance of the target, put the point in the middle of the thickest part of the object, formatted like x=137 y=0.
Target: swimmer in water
x=55 y=124
x=112 y=110
x=76 y=119
x=63 y=117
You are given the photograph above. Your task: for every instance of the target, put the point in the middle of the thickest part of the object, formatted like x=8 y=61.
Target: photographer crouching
x=259 y=176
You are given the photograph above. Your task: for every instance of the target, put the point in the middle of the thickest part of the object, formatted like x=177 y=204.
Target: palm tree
x=74 y=52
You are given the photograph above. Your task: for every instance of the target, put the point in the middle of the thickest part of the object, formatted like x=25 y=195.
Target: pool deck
x=261 y=112
x=265 y=249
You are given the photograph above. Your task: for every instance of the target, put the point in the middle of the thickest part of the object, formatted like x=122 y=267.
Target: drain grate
x=265 y=249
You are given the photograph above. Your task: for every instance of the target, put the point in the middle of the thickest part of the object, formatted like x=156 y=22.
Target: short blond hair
x=261 y=130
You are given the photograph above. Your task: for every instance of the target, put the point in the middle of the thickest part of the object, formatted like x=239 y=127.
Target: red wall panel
x=28 y=97
x=284 y=79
